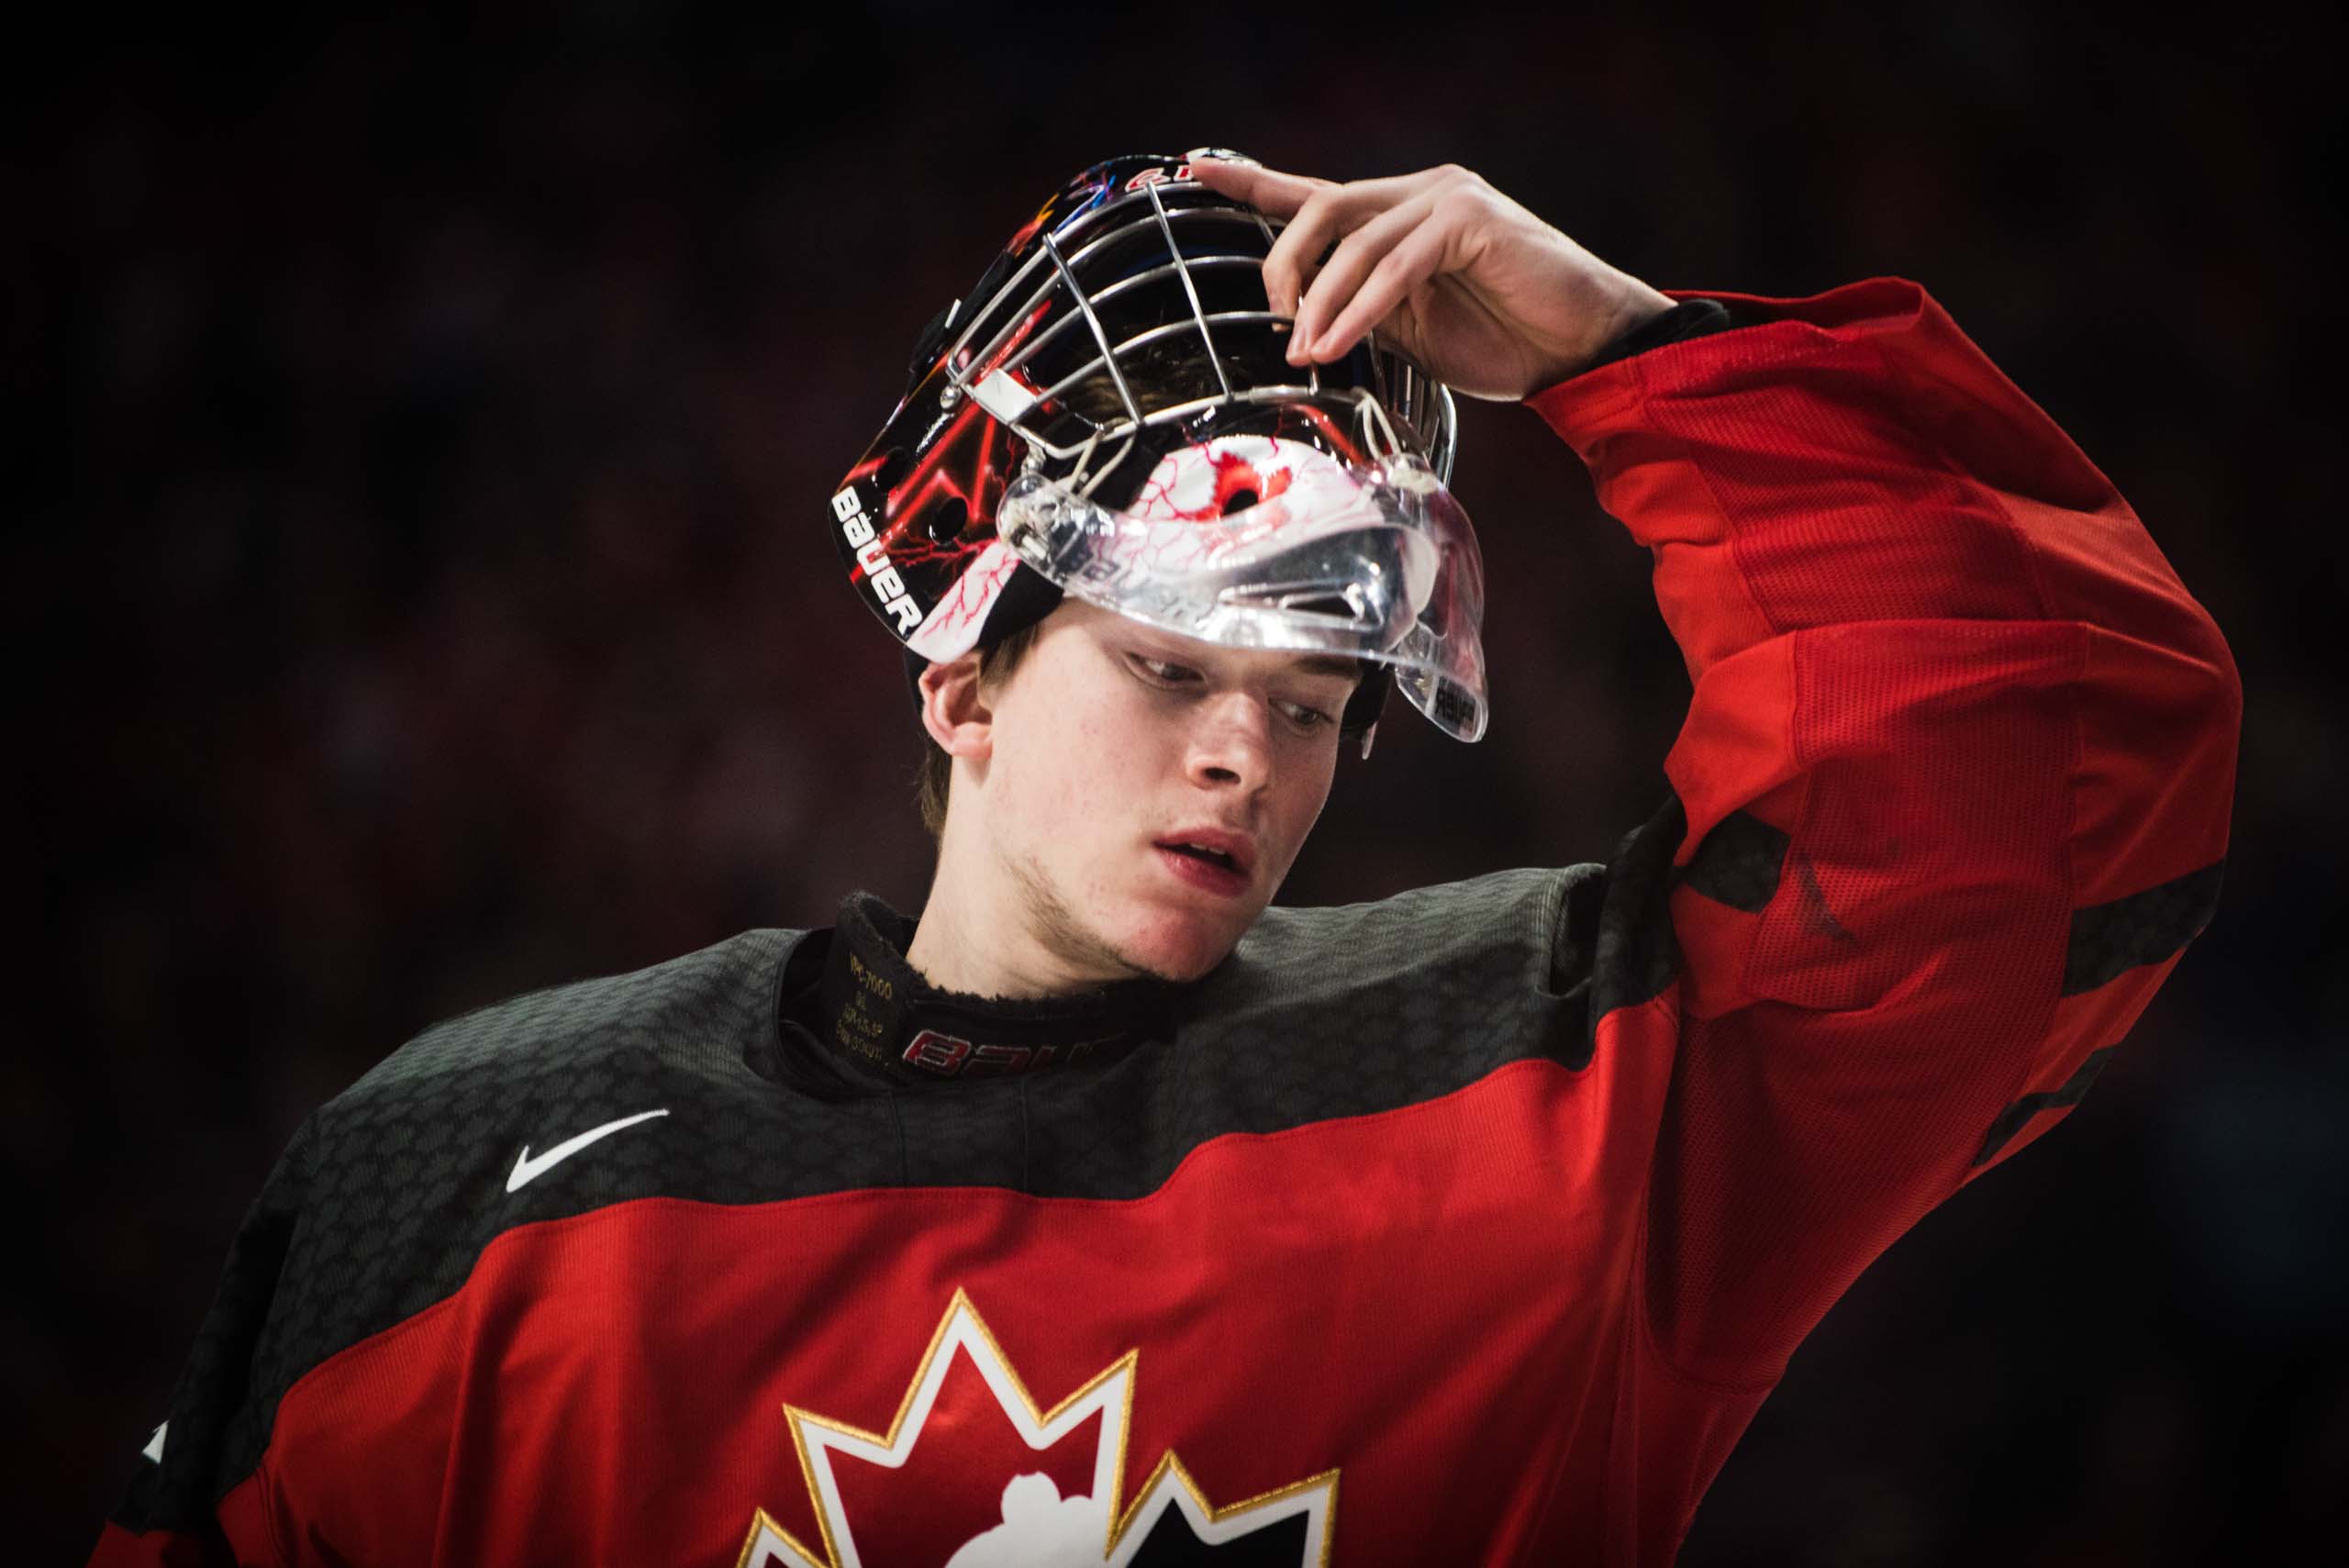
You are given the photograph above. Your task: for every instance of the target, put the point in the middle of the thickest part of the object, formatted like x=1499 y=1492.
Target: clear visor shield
x=1254 y=541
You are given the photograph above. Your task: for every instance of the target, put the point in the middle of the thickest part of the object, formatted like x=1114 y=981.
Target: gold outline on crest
x=1121 y=1514
x=1168 y=1464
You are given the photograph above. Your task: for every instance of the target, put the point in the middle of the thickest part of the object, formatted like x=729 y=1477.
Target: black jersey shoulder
x=389 y=1193
x=1319 y=1014
x=448 y=1142
x=393 y=1191
x=1361 y=1008
x=568 y=1036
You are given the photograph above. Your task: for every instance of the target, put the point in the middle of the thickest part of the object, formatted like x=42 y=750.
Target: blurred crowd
x=422 y=426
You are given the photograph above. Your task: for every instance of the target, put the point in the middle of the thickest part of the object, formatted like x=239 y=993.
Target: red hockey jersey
x=1469 y=1226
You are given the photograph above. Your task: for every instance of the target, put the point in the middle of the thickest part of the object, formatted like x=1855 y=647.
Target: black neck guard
x=881 y=1016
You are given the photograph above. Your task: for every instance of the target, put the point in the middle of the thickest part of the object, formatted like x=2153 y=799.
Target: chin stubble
x=1058 y=928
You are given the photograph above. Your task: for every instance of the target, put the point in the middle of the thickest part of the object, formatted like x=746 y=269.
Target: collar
x=876 y=1013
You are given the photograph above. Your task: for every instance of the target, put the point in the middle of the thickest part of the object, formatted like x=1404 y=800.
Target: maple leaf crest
x=1043 y=1524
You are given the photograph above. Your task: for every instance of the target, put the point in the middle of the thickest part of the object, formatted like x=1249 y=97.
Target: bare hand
x=1493 y=300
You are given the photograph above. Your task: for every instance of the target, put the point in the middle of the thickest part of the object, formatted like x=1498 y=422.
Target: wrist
x=1653 y=326
x=1619 y=306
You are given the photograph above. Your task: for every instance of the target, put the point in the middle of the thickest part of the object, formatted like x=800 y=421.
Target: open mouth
x=1201 y=852
x=1221 y=873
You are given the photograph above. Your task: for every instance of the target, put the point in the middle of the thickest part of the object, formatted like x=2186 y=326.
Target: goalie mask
x=1112 y=411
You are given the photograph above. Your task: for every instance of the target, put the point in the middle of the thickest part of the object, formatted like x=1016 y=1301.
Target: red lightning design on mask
x=1233 y=473
x=954 y=623
x=934 y=478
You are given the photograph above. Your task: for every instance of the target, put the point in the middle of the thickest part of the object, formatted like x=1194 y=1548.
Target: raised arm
x=1953 y=787
x=1955 y=780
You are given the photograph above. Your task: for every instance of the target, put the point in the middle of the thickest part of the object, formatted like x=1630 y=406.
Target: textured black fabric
x=1738 y=862
x=390 y=1193
x=1172 y=1544
x=880 y=1018
x=1634 y=952
x=219 y=1380
x=2013 y=1119
x=1688 y=318
x=2144 y=928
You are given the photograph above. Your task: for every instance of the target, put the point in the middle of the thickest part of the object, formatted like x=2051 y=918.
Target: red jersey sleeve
x=1956 y=773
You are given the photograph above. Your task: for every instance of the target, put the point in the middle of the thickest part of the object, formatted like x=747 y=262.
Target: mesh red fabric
x=1933 y=644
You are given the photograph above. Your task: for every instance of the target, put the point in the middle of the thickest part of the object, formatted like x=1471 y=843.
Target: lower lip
x=1205 y=875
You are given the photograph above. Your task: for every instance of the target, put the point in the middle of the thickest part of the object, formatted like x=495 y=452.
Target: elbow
x=2214 y=706
x=2160 y=726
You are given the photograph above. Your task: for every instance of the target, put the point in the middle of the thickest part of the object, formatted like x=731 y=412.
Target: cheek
x=1300 y=810
x=1078 y=771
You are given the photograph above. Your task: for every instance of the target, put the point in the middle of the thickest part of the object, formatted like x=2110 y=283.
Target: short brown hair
x=935 y=777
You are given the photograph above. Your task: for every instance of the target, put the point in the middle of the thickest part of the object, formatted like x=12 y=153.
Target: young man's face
x=1114 y=747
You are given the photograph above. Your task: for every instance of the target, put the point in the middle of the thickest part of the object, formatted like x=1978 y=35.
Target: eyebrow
x=1337 y=666
x=1331 y=664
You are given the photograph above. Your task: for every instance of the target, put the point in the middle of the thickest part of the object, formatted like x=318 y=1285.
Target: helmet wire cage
x=996 y=359
x=1115 y=409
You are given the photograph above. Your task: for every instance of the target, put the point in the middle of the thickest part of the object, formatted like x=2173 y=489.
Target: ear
x=955 y=711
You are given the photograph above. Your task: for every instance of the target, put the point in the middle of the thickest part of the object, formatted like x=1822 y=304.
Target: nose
x=1231 y=743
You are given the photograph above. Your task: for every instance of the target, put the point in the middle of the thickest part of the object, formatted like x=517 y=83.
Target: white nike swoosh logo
x=529 y=1170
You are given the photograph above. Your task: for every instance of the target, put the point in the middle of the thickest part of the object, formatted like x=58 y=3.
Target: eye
x=1162 y=672
x=1307 y=719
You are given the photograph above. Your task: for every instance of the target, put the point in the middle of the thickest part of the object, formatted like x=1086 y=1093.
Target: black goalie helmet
x=1112 y=411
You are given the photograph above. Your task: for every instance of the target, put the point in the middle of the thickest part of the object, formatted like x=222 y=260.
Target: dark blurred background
x=419 y=427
